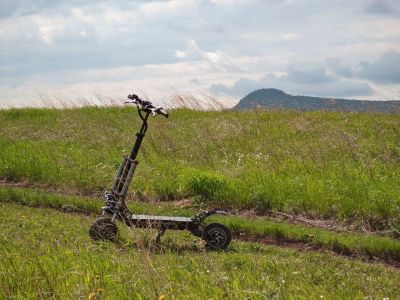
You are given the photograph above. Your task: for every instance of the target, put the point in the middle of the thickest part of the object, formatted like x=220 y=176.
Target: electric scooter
x=216 y=236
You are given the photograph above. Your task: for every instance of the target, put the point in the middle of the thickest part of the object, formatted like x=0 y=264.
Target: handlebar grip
x=159 y=110
x=165 y=114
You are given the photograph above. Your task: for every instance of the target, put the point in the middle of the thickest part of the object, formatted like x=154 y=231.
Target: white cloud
x=180 y=54
x=153 y=8
x=230 y=2
x=291 y=36
x=48 y=29
x=208 y=60
x=190 y=45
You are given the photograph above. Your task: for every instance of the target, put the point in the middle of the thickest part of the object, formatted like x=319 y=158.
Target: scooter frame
x=217 y=236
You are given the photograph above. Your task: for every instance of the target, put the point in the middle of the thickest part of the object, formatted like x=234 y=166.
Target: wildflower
x=91 y=296
x=162 y=297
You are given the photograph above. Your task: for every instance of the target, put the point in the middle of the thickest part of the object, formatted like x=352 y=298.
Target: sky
x=92 y=50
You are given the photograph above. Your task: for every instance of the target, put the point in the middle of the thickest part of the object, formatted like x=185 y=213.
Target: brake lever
x=155 y=111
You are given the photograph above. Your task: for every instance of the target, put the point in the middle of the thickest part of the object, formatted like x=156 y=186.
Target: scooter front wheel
x=217 y=236
x=103 y=229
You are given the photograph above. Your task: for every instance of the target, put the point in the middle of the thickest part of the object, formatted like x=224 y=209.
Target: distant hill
x=277 y=99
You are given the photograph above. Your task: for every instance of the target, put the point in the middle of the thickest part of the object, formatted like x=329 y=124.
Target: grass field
x=47 y=254
x=322 y=165
x=341 y=167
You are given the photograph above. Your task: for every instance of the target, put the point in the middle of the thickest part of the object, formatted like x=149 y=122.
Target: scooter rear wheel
x=217 y=236
x=103 y=229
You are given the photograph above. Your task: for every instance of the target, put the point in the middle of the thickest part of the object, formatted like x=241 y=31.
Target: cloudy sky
x=224 y=48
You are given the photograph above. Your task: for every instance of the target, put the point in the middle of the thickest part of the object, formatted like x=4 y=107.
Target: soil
x=302 y=246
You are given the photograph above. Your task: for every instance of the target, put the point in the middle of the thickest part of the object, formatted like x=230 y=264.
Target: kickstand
x=160 y=234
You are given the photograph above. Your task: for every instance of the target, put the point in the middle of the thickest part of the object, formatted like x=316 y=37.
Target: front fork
x=115 y=199
x=200 y=217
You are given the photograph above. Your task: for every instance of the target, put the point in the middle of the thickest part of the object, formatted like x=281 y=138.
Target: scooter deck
x=148 y=221
x=160 y=218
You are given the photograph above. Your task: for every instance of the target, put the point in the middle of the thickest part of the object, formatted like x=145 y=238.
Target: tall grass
x=323 y=165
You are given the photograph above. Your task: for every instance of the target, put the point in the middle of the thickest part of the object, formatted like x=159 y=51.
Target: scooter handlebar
x=159 y=110
x=147 y=105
